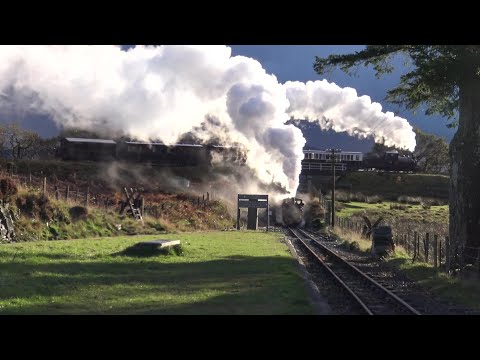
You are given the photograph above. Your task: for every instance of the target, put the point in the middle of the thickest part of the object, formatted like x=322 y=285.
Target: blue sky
x=295 y=63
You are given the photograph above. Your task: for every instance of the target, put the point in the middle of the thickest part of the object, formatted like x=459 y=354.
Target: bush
x=7 y=189
x=410 y=200
x=78 y=213
x=354 y=246
x=317 y=223
x=398 y=207
x=374 y=199
x=339 y=206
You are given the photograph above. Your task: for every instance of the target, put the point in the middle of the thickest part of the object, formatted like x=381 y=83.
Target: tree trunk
x=465 y=176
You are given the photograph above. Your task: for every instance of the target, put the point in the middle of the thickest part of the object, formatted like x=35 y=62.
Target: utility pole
x=333 y=186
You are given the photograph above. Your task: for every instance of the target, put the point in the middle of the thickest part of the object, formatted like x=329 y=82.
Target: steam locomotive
x=77 y=149
x=316 y=161
x=292 y=212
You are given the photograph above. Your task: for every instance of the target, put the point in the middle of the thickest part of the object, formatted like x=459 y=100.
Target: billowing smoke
x=163 y=92
x=341 y=109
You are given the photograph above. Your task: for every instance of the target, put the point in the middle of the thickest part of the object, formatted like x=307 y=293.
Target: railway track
x=369 y=296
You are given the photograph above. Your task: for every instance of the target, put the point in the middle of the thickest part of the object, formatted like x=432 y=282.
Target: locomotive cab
x=391 y=157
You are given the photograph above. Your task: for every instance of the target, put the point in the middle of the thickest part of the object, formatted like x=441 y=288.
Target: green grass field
x=411 y=212
x=392 y=185
x=217 y=273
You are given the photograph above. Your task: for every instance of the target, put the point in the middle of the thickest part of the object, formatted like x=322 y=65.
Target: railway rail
x=369 y=296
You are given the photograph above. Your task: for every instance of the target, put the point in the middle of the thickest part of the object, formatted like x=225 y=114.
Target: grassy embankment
x=465 y=291
x=407 y=202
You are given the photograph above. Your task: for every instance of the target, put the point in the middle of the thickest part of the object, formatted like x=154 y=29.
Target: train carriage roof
x=161 y=144
x=316 y=151
x=95 y=141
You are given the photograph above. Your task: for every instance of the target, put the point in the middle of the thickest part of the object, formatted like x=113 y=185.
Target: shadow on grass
x=351 y=206
x=149 y=251
x=236 y=285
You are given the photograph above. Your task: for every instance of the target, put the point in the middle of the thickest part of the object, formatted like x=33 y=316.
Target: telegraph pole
x=333 y=186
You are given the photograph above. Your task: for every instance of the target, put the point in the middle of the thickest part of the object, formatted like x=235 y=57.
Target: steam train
x=292 y=212
x=316 y=161
x=78 y=149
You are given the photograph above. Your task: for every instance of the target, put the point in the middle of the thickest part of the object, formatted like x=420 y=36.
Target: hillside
x=389 y=186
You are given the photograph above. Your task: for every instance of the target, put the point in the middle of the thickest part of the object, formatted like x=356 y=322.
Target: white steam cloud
x=162 y=92
x=341 y=109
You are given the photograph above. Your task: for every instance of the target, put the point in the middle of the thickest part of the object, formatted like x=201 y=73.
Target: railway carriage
x=316 y=161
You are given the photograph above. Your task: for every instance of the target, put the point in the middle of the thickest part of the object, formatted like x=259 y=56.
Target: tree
x=19 y=142
x=3 y=139
x=45 y=149
x=445 y=79
x=431 y=153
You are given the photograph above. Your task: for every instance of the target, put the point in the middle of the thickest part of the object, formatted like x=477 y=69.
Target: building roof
x=98 y=141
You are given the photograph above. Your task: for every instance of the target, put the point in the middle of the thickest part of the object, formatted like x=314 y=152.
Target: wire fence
x=84 y=196
x=424 y=245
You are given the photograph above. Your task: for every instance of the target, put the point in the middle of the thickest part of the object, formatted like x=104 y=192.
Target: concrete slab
x=158 y=243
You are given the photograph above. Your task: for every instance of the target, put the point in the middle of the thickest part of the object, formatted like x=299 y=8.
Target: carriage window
x=316 y=156
x=358 y=157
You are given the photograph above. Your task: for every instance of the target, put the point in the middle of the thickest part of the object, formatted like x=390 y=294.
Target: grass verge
x=215 y=273
x=464 y=291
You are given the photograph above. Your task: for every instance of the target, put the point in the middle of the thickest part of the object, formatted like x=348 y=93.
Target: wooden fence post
x=426 y=245
x=440 y=253
x=86 y=196
x=435 y=250
x=30 y=179
x=57 y=194
x=418 y=244
x=415 y=235
x=67 y=192
x=45 y=186
x=142 y=206
x=447 y=254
